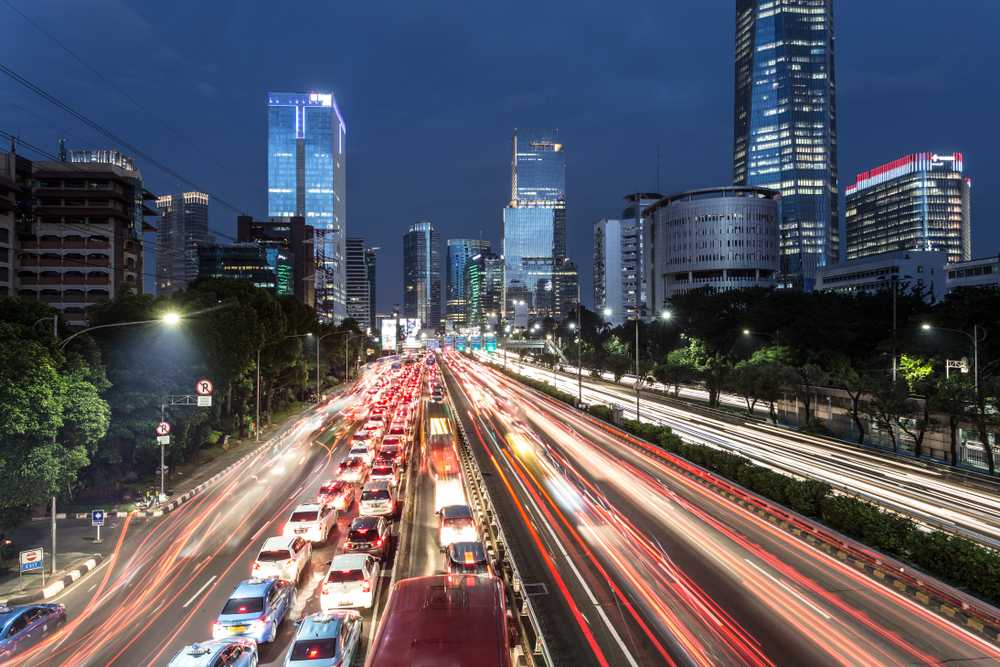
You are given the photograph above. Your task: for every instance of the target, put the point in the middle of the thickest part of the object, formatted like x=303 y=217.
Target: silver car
x=326 y=639
x=232 y=652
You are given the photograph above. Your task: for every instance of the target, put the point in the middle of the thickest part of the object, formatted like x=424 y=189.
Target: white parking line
x=200 y=591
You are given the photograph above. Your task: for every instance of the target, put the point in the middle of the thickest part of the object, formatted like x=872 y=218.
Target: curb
x=58 y=586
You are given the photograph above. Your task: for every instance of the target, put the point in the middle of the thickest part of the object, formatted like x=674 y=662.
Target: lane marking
x=258 y=532
x=780 y=583
x=200 y=591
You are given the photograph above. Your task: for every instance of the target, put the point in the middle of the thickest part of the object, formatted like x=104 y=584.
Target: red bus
x=454 y=620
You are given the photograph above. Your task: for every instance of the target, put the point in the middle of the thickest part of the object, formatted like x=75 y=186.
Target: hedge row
x=957 y=560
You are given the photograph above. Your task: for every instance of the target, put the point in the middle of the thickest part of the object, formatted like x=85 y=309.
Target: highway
x=169 y=577
x=657 y=569
x=950 y=500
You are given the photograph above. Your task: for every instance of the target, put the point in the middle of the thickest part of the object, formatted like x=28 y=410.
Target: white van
x=378 y=499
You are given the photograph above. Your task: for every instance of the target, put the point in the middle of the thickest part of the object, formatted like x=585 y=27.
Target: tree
x=711 y=368
x=679 y=367
x=619 y=365
x=810 y=376
x=889 y=399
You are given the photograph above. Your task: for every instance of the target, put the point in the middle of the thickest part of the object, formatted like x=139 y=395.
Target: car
x=353 y=469
x=255 y=609
x=350 y=582
x=376 y=429
x=378 y=499
x=397 y=430
x=467 y=558
x=385 y=471
x=390 y=453
x=363 y=450
x=336 y=492
x=455 y=524
x=437 y=396
x=282 y=558
x=368 y=534
x=377 y=419
x=326 y=639
x=23 y=627
x=312 y=522
x=231 y=652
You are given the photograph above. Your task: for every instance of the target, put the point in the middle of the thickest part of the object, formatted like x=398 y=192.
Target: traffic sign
x=163 y=439
x=204 y=401
x=162 y=428
x=97 y=518
x=31 y=560
x=204 y=387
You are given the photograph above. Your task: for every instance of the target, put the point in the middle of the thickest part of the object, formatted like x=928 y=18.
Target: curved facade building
x=726 y=237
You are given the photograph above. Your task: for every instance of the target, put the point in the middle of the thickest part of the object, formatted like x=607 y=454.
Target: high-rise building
x=919 y=202
x=785 y=126
x=71 y=233
x=460 y=252
x=294 y=238
x=267 y=267
x=422 y=274
x=534 y=227
x=359 y=296
x=306 y=167
x=484 y=289
x=370 y=266
x=181 y=230
x=619 y=269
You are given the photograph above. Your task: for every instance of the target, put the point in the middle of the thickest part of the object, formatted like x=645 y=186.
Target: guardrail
x=479 y=495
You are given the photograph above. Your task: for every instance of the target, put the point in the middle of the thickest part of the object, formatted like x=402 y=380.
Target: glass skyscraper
x=182 y=229
x=306 y=167
x=460 y=253
x=536 y=270
x=919 y=202
x=422 y=274
x=785 y=125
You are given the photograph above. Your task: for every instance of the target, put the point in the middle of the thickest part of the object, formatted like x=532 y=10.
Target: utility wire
x=133 y=149
x=130 y=99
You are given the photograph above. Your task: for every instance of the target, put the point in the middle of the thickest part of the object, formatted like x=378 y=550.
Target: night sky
x=431 y=93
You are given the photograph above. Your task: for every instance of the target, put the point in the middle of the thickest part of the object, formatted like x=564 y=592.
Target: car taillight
x=347 y=545
x=289 y=562
x=256 y=566
x=216 y=627
x=326 y=589
x=379 y=542
x=366 y=586
x=258 y=624
x=339 y=469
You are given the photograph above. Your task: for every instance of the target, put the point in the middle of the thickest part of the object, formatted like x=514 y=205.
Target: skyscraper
x=534 y=227
x=370 y=266
x=306 y=167
x=182 y=229
x=460 y=252
x=422 y=274
x=619 y=270
x=295 y=238
x=484 y=289
x=919 y=202
x=359 y=297
x=785 y=125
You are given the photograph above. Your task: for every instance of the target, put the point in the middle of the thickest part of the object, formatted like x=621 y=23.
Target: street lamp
x=974 y=336
x=170 y=318
x=607 y=313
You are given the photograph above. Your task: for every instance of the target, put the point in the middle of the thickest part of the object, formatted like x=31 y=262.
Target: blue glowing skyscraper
x=785 y=126
x=306 y=166
x=536 y=269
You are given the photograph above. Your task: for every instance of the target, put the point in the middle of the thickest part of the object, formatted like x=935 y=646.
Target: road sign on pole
x=204 y=401
x=162 y=428
x=31 y=560
x=97 y=518
x=204 y=387
x=163 y=439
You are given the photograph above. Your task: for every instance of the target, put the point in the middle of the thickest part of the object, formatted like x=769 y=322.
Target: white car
x=282 y=558
x=378 y=499
x=362 y=451
x=375 y=428
x=311 y=522
x=350 y=582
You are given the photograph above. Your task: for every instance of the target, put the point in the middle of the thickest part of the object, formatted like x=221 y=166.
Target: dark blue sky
x=431 y=93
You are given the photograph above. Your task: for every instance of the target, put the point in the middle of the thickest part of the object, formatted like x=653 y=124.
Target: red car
x=336 y=492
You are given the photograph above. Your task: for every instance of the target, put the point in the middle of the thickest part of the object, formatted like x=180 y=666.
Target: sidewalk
x=76 y=552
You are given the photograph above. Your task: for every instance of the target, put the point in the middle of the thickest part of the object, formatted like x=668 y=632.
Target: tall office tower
x=484 y=289
x=359 y=297
x=619 y=270
x=607 y=270
x=182 y=229
x=633 y=255
x=370 y=266
x=422 y=274
x=460 y=252
x=306 y=167
x=295 y=238
x=534 y=226
x=785 y=126
x=919 y=202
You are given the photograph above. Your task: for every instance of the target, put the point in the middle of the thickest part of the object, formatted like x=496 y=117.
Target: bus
x=397 y=366
x=441 y=619
x=441 y=459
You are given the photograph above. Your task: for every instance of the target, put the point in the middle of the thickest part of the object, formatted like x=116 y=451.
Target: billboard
x=476 y=342
x=411 y=331
x=490 y=343
x=389 y=334
x=449 y=342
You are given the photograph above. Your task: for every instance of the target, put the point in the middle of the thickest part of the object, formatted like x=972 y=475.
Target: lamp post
x=579 y=357
x=506 y=342
x=974 y=336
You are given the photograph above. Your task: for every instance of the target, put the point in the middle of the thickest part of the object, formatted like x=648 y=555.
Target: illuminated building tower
x=306 y=167
x=422 y=274
x=460 y=253
x=919 y=202
x=785 y=126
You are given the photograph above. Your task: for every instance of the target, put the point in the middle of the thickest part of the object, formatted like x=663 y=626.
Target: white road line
x=200 y=591
x=802 y=599
x=258 y=532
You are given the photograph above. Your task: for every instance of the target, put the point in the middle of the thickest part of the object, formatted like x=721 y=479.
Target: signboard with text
x=388 y=334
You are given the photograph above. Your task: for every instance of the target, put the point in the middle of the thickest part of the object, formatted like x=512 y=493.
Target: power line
x=133 y=149
x=124 y=94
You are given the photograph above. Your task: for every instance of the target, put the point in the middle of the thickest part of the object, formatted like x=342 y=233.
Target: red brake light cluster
x=366 y=586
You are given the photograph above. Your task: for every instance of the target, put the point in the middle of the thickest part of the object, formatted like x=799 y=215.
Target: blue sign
x=37 y=565
x=476 y=342
x=98 y=518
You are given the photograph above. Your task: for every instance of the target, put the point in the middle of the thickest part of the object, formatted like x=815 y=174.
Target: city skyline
x=891 y=100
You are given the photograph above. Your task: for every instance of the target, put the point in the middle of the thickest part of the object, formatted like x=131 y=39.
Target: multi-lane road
x=656 y=569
